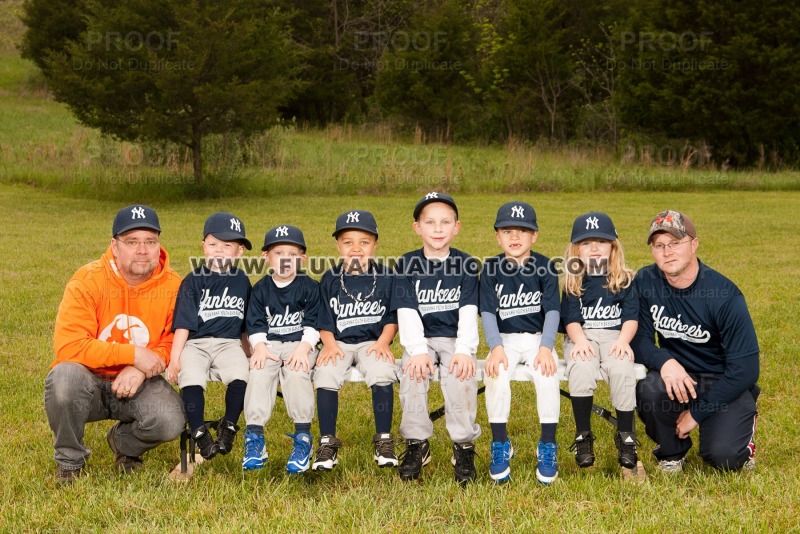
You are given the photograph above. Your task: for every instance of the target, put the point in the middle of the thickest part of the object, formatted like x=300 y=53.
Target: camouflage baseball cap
x=674 y=223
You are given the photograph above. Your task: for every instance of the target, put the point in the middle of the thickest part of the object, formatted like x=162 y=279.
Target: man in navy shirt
x=703 y=371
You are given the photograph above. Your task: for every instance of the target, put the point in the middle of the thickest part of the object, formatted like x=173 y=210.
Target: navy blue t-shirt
x=211 y=304
x=598 y=307
x=437 y=289
x=519 y=296
x=352 y=321
x=283 y=312
x=706 y=327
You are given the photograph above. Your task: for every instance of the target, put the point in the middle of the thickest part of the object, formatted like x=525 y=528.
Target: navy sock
x=382 y=407
x=234 y=400
x=499 y=432
x=582 y=409
x=256 y=429
x=327 y=410
x=194 y=403
x=302 y=428
x=549 y=432
x=624 y=421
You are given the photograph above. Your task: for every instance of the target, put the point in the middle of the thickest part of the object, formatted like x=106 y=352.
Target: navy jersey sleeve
x=312 y=298
x=488 y=295
x=469 y=283
x=570 y=309
x=256 y=309
x=186 y=304
x=736 y=329
x=326 y=319
x=550 y=300
x=630 y=304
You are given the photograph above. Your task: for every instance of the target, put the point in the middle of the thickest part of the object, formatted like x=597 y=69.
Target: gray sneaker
x=671 y=466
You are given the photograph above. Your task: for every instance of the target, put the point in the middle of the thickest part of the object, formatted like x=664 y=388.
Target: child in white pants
x=520 y=313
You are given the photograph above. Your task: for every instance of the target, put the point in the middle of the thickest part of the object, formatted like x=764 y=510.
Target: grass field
x=747 y=235
x=60 y=185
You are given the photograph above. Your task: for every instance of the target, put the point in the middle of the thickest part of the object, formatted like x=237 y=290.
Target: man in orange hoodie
x=112 y=339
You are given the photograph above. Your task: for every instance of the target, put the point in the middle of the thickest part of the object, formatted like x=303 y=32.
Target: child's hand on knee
x=382 y=351
x=621 y=350
x=545 y=362
x=330 y=353
x=419 y=367
x=583 y=349
x=298 y=361
x=466 y=366
x=496 y=358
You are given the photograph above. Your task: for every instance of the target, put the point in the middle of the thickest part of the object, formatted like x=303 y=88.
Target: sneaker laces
x=465 y=457
x=251 y=445
x=385 y=447
x=498 y=453
x=300 y=449
x=582 y=446
x=412 y=454
x=547 y=454
x=326 y=451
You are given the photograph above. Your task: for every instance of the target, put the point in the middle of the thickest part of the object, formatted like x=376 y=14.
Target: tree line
x=720 y=77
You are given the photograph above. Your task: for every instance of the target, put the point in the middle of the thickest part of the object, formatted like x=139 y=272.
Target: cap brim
x=360 y=229
x=283 y=242
x=587 y=235
x=137 y=226
x=674 y=232
x=516 y=224
x=420 y=206
x=230 y=236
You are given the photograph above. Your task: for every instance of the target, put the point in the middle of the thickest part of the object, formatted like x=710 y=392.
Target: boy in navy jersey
x=209 y=333
x=356 y=325
x=520 y=313
x=281 y=319
x=704 y=370
x=600 y=310
x=437 y=312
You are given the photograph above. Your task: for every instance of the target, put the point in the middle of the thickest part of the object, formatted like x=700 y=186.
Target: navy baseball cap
x=133 y=217
x=356 y=220
x=593 y=224
x=226 y=227
x=284 y=234
x=516 y=213
x=673 y=222
x=433 y=196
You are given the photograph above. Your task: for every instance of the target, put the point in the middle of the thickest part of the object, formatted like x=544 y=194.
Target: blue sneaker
x=255 y=451
x=547 y=468
x=300 y=459
x=500 y=468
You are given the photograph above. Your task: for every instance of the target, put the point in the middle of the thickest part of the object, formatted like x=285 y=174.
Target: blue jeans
x=74 y=396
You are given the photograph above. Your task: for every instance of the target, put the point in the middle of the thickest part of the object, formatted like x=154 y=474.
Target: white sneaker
x=671 y=466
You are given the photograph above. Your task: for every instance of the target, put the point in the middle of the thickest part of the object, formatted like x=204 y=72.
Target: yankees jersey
x=598 y=307
x=359 y=319
x=519 y=296
x=437 y=289
x=282 y=312
x=212 y=304
x=704 y=326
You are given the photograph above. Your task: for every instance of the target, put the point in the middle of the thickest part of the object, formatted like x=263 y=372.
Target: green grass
x=749 y=236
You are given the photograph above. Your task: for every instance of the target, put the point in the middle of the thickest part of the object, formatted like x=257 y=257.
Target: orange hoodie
x=101 y=318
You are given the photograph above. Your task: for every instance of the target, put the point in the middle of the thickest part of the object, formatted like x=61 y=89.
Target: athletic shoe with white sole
x=384 y=450
x=326 y=453
x=415 y=457
x=255 y=451
x=300 y=459
x=547 y=468
x=500 y=467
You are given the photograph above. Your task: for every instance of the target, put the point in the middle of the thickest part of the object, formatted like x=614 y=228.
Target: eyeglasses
x=134 y=244
x=672 y=245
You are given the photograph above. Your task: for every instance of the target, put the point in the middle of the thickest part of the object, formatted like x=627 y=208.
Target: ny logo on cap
x=431 y=195
x=518 y=212
x=282 y=231
x=235 y=224
x=592 y=222
x=138 y=213
x=352 y=217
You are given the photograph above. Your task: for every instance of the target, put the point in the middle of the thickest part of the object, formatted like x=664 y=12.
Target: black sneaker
x=384 y=450
x=464 y=462
x=626 y=447
x=583 y=447
x=67 y=475
x=205 y=443
x=326 y=453
x=416 y=455
x=124 y=463
x=226 y=433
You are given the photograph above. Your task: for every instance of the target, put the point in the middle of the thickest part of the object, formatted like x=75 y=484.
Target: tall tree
x=166 y=69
